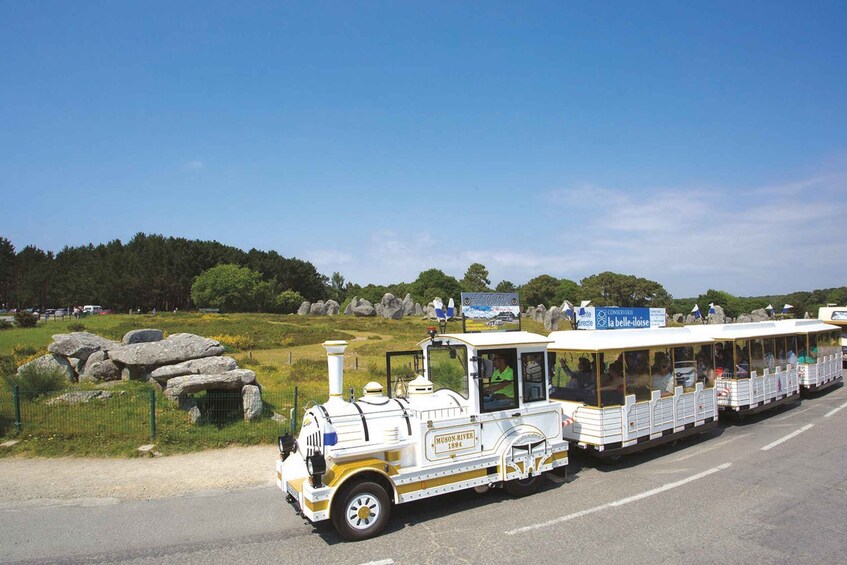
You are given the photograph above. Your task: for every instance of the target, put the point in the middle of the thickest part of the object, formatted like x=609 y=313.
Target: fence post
x=16 y=397
x=293 y=421
x=289 y=362
x=152 y=414
x=357 y=361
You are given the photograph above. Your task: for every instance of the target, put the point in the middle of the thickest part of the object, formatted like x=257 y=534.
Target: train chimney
x=335 y=362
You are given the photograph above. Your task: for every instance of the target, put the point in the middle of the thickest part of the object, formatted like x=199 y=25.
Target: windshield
x=448 y=368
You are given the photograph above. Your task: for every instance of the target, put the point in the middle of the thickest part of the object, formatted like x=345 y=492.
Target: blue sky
x=701 y=145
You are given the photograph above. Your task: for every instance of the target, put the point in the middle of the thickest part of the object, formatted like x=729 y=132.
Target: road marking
x=786 y=438
x=380 y=562
x=620 y=502
x=793 y=413
x=709 y=448
x=831 y=412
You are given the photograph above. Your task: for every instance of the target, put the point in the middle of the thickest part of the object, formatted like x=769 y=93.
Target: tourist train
x=500 y=409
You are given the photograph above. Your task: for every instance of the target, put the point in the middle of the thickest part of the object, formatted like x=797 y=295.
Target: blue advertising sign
x=597 y=318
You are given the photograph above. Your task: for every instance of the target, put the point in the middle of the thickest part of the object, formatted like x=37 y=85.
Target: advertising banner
x=490 y=311
x=602 y=318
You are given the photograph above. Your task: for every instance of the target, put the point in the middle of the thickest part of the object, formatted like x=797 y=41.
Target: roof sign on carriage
x=490 y=312
x=614 y=318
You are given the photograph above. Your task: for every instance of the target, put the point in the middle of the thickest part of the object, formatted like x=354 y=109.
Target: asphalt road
x=769 y=490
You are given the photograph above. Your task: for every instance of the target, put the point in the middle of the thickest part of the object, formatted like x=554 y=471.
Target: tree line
x=149 y=271
x=153 y=271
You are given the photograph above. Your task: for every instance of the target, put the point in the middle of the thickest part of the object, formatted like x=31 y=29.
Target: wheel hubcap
x=363 y=511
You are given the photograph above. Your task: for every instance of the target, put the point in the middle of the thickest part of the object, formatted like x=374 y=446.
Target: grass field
x=284 y=350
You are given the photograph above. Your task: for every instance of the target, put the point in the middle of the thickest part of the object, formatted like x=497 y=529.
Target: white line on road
x=380 y=562
x=786 y=438
x=792 y=414
x=709 y=448
x=831 y=412
x=620 y=502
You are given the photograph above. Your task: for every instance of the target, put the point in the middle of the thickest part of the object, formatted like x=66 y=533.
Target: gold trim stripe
x=435 y=482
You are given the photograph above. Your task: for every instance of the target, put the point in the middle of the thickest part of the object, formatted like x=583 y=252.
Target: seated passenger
x=663 y=377
x=612 y=380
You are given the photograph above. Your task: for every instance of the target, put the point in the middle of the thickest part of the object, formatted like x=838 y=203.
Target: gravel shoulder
x=35 y=481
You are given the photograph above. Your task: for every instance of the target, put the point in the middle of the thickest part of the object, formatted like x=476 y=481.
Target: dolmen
x=179 y=365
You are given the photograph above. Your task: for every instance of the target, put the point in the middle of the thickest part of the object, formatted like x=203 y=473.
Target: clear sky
x=698 y=144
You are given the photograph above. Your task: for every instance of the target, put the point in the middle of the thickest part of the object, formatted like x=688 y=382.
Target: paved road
x=769 y=490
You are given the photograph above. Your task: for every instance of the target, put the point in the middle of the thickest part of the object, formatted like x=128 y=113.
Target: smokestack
x=335 y=362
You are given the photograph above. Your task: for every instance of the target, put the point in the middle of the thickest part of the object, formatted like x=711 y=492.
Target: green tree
x=476 y=278
x=568 y=290
x=732 y=306
x=288 y=301
x=230 y=288
x=540 y=290
x=505 y=286
x=8 y=262
x=432 y=283
x=337 y=290
x=614 y=289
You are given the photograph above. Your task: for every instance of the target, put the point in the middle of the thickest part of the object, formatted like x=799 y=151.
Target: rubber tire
x=348 y=495
x=522 y=487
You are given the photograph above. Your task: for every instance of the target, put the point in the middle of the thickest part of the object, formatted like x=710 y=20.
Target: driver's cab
x=477 y=373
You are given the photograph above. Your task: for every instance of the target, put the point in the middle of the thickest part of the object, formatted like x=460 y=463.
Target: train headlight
x=316 y=467
x=286 y=445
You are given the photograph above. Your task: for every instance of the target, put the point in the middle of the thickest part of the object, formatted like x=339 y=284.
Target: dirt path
x=65 y=480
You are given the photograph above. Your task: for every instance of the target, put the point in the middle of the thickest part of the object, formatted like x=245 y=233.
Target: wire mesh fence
x=91 y=418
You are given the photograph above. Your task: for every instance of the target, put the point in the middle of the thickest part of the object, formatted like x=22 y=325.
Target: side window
x=448 y=368
x=499 y=391
x=685 y=367
x=612 y=390
x=532 y=371
x=574 y=377
x=637 y=373
x=704 y=359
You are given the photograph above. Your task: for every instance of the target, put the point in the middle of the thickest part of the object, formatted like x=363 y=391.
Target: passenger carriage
x=819 y=353
x=837 y=316
x=625 y=390
x=755 y=365
x=449 y=419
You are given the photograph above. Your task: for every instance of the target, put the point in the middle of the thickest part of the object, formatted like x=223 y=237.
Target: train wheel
x=522 y=487
x=361 y=511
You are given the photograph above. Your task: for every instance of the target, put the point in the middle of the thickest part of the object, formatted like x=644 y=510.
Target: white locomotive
x=467 y=410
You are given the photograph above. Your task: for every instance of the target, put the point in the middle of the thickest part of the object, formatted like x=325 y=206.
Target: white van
x=89 y=309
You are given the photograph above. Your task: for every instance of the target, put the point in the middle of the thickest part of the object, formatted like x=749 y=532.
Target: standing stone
x=80 y=344
x=408 y=305
x=364 y=309
x=190 y=406
x=251 y=398
x=348 y=311
x=304 y=308
x=719 y=317
x=759 y=315
x=392 y=307
x=318 y=309
x=98 y=371
x=744 y=318
x=51 y=361
x=332 y=307
x=551 y=318
x=678 y=318
x=419 y=311
x=207 y=366
x=175 y=349
x=540 y=311
x=142 y=336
